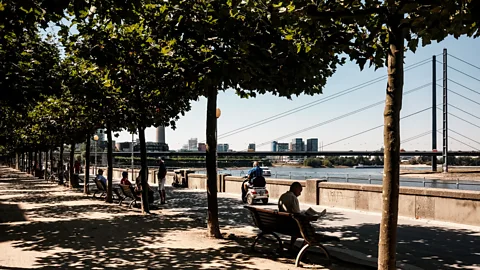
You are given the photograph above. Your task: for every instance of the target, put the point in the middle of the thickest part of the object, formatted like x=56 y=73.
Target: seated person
x=102 y=178
x=288 y=202
x=253 y=173
x=139 y=188
x=124 y=180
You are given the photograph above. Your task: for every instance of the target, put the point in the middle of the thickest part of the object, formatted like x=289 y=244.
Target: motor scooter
x=255 y=192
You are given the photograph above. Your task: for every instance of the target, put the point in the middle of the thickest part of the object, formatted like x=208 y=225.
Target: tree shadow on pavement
x=425 y=247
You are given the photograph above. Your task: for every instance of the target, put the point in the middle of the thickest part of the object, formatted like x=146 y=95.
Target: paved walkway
x=44 y=225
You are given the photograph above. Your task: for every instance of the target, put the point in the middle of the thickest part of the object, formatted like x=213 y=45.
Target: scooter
x=255 y=192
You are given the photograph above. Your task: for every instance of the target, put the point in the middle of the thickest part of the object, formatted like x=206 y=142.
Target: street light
x=95 y=139
x=218 y=112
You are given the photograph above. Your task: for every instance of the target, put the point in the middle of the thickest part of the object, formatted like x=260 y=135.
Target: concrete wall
x=458 y=206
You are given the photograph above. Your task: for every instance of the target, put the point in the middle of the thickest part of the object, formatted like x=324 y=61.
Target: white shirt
x=288 y=202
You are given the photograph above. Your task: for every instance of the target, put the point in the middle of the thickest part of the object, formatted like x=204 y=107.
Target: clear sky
x=237 y=113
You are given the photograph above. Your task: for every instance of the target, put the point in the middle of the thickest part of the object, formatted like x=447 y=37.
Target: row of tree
x=134 y=64
x=341 y=161
x=452 y=160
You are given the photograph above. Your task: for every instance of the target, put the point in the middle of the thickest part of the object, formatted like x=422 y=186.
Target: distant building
x=202 y=147
x=124 y=146
x=251 y=147
x=152 y=147
x=193 y=144
x=312 y=145
x=283 y=147
x=274 y=146
x=222 y=147
x=298 y=145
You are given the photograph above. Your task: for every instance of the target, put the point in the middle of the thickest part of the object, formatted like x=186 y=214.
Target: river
x=359 y=176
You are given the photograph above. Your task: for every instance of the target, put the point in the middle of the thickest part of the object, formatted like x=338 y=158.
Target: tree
x=148 y=89
x=248 y=46
x=380 y=29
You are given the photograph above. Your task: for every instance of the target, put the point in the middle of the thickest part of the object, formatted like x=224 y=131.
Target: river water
x=359 y=176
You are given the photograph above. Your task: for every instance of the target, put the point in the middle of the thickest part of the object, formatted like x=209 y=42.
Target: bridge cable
x=460 y=134
x=341 y=116
x=458 y=117
x=476 y=92
x=415 y=137
x=379 y=126
x=466 y=144
x=466 y=62
x=461 y=72
x=456 y=93
x=464 y=111
x=319 y=101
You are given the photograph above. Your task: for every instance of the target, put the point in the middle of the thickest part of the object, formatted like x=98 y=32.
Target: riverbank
x=457 y=173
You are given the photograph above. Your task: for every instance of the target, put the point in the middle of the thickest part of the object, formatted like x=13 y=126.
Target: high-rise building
x=274 y=146
x=222 y=147
x=202 y=147
x=312 y=145
x=297 y=145
x=251 y=147
x=161 y=134
x=282 y=147
x=193 y=144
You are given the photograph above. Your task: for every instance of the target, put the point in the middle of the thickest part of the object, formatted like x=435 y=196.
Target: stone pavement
x=43 y=225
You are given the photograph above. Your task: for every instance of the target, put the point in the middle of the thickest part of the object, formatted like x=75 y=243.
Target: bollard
x=458 y=183
x=369 y=179
x=423 y=181
x=346 y=177
x=290 y=174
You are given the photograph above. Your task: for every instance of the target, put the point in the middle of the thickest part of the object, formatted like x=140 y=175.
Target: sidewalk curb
x=355 y=257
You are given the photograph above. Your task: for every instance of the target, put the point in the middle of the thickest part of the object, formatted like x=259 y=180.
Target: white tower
x=161 y=134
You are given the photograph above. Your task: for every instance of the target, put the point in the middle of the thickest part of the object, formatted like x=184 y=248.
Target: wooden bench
x=271 y=222
x=127 y=192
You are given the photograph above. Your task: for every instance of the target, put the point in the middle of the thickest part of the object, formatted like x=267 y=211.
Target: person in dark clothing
x=162 y=173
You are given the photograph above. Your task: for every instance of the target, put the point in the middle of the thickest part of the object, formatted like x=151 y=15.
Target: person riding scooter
x=254 y=175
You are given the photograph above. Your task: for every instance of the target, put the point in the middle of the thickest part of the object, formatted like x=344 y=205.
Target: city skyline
x=237 y=113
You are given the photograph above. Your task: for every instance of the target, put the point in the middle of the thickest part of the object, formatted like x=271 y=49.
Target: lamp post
x=95 y=139
x=132 y=155
x=218 y=112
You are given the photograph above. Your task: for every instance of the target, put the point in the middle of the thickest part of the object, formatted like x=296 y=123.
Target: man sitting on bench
x=288 y=202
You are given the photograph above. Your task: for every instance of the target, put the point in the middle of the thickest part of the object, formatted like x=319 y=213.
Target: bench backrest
x=127 y=191
x=273 y=221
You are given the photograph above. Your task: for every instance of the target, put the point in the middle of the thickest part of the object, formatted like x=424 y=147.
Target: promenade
x=43 y=225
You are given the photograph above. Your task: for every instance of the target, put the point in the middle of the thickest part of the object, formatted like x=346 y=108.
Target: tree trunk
x=45 y=176
x=23 y=162
x=70 y=164
x=60 y=170
x=109 y=197
x=213 y=226
x=39 y=160
x=17 y=161
x=87 y=167
x=144 y=168
x=30 y=157
x=391 y=172
x=51 y=161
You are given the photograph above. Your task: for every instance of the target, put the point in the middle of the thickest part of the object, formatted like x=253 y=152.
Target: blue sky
x=237 y=112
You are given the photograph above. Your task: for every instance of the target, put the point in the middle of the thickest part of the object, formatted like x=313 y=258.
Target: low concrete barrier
x=457 y=206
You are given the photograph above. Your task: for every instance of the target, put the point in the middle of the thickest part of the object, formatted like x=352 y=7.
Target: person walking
x=162 y=173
